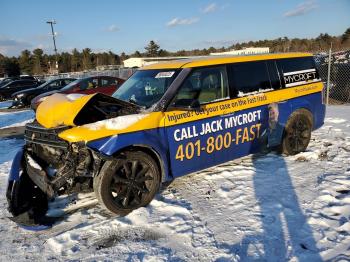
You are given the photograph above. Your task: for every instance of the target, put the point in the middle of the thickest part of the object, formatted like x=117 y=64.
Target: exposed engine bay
x=50 y=166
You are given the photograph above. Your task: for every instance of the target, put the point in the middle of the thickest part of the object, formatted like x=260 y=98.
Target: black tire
x=124 y=185
x=297 y=132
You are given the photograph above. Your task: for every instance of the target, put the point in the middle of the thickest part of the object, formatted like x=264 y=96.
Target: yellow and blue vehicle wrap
x=186 y=141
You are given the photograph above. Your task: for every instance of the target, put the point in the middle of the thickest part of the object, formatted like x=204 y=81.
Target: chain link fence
x=334 y=69
x=123 y=73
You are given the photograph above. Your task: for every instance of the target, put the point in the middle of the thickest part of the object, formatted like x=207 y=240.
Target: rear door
x=251 y=82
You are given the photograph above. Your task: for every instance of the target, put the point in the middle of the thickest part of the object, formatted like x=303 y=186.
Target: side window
x=104 y=82
x=94 y=83
x=53 y=84
x=91 y=83
x=250 y=77
x=296 y=71
x=204 y=85
x=84 y=85
x=108 y=82
x=66 y=82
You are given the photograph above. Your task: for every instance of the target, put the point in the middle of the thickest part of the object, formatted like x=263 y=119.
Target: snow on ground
x=262 y=207
x=19 y=118
x=5 y=104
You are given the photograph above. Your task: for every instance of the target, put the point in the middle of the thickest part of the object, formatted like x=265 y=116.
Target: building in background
x=246 y=51
x=134 y=62
x=143 y=61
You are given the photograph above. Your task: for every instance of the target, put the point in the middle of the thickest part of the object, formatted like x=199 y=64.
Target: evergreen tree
x=87 y=59
x=10 y=66
x=163 y=53
x=123 y=57
x=76 y=60
x=25 y=62
x=136 y=54
x=152 y=49
x=37 y=61
x=65 y=62
x=345 y=38
x=112 y=58
x=2 y=68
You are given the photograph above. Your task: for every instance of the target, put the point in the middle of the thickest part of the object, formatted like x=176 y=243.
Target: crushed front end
x=49 y=166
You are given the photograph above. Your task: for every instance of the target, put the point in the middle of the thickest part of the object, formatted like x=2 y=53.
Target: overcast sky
x=182 y=24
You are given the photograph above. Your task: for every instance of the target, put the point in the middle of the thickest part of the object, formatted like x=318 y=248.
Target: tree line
x=38 y=63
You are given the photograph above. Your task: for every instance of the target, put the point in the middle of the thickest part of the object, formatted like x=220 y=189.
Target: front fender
x=16 y=166
x=154 y=140
x=14 y=177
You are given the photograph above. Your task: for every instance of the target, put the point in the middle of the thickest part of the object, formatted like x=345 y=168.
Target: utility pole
x=52 y=22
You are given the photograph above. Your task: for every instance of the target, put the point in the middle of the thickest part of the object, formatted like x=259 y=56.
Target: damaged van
x=167 y=120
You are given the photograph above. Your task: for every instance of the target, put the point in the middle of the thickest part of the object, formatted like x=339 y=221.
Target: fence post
x=329 y=74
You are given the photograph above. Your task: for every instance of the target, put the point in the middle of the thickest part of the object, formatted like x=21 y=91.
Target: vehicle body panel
x=184 y=138
x=146 y=128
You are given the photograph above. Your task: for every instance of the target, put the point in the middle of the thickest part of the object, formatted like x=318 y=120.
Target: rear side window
x=250 y=77
x=297 y=71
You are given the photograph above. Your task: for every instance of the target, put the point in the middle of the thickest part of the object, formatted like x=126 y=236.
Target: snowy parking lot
x=263 y=207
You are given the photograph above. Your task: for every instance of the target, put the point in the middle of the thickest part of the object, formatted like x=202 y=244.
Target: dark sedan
x=7 y=80
x=7 y=90
x=23 y=98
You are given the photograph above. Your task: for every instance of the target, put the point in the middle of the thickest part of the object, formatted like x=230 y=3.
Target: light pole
x=52 y=22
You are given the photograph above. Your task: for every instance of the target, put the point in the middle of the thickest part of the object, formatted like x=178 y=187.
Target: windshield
x=146 y=87
x=70 y=85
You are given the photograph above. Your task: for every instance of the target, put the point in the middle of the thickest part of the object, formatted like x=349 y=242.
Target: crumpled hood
x=94 y=116
x=60 y=109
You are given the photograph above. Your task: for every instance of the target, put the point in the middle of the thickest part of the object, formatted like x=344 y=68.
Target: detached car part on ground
x=24 y=98
x=165 y=121
x=89 y=85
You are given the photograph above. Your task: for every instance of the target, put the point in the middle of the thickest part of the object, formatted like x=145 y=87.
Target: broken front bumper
x=26 y=200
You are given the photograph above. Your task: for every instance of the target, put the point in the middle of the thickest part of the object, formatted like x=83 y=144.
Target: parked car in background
x=23 y=98
x=8 y=89
x=7 y=80
x=90 y=85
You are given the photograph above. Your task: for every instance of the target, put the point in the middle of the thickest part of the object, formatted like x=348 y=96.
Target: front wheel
x=126 y=184
x=297 y=132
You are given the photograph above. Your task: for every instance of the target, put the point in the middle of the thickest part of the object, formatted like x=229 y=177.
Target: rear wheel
x=297 y=132
x=124 y=185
